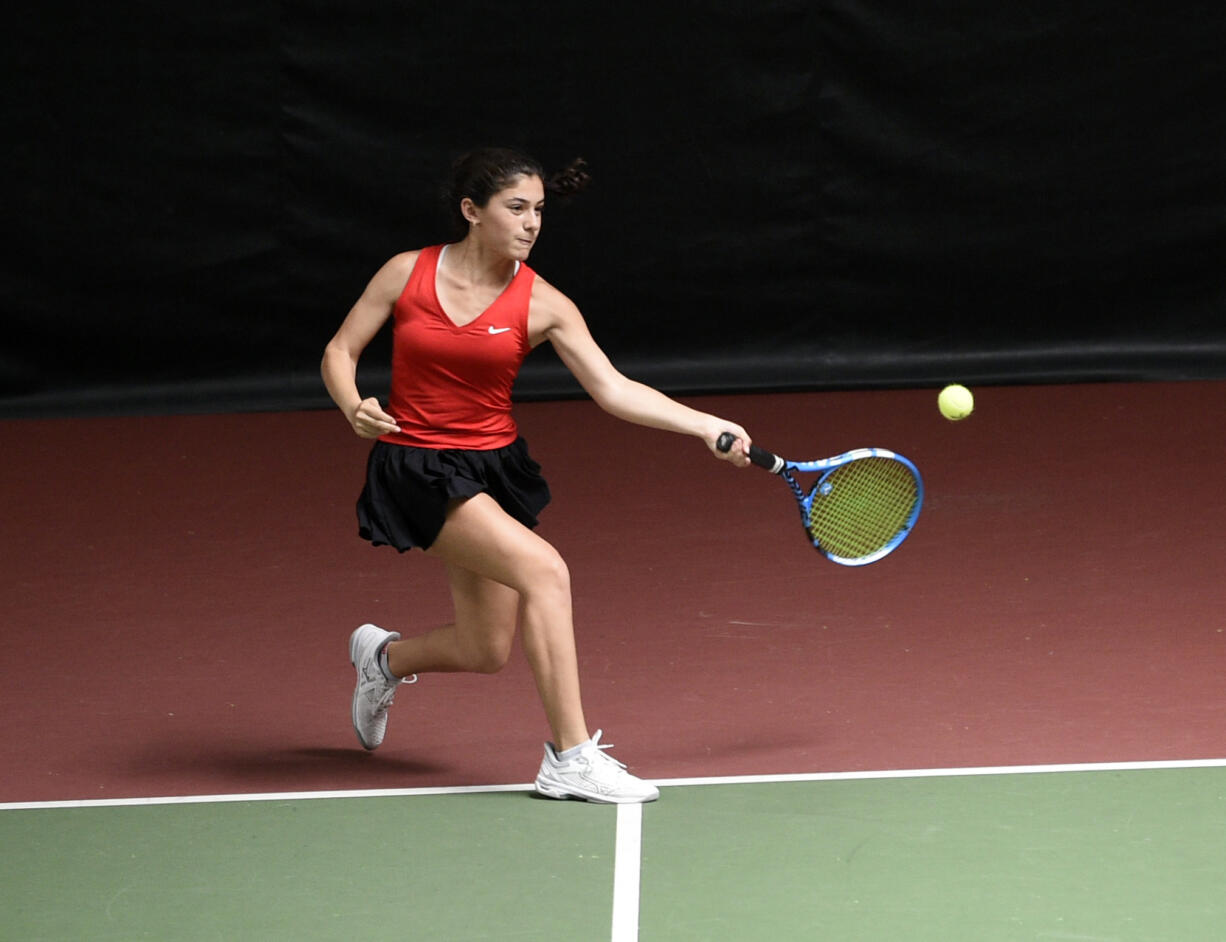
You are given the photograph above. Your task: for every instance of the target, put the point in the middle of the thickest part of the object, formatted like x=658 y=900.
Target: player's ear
x=469 y=210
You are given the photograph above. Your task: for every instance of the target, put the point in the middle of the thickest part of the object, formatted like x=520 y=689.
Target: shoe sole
x=562 y=793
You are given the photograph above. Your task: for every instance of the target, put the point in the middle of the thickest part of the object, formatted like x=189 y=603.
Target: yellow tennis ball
x=955 y=402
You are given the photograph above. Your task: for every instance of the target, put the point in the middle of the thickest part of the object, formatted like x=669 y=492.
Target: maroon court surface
x=177 y=594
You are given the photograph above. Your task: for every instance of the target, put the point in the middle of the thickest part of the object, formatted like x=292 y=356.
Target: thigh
x=481 y=538
x=482 y=606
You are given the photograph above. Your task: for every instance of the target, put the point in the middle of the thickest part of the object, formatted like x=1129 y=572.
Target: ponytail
x=481 y=173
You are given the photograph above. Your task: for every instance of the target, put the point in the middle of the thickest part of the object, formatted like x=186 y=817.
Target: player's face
x=511 y=220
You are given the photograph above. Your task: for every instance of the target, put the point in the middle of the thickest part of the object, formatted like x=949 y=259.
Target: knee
x=492 y=655
x=551 y=575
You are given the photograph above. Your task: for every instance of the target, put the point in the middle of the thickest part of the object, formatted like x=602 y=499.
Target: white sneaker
x=374 y=692
x=591 y=775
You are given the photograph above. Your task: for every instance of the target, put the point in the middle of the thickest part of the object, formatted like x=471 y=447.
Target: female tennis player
x=448 y=472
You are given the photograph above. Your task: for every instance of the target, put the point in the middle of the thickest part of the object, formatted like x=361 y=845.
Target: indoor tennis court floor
x=1012 y=728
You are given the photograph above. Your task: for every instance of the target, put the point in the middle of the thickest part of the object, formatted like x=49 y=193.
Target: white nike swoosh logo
x=499 y=330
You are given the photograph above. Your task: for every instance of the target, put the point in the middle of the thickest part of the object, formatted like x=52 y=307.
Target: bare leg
x=492 y=562
x=480 y=638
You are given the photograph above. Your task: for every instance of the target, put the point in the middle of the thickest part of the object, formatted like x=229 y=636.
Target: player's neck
x=476 y=265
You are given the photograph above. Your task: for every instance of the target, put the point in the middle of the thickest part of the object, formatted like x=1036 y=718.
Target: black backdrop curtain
x=787 y=194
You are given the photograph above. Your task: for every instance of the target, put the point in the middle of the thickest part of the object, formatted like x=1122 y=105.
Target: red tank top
x=451 y=386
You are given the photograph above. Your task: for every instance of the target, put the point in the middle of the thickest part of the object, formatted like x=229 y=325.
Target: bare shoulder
x=549 y=309
x=391 y=278
x=546 y=294
x=401 y=265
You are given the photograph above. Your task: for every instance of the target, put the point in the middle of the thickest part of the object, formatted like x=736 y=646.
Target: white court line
x=627 y=863
x=663 y=783
x=1140 y=766
x=262 y=796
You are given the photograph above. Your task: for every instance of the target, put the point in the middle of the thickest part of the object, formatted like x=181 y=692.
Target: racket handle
x=759 y=456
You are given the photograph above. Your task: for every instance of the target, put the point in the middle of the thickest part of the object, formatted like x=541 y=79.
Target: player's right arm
x=365 y=319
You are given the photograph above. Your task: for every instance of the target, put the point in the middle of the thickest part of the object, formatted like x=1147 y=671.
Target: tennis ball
x=955 y=402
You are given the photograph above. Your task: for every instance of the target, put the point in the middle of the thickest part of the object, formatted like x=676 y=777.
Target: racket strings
x=862 y=507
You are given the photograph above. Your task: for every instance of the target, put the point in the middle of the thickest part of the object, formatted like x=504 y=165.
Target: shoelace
x=600 y=749
x=385 y=699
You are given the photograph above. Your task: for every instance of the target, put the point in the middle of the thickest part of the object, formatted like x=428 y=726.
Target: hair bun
x=571 y=180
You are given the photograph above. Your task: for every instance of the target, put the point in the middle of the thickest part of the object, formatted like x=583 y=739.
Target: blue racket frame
x=825 y=467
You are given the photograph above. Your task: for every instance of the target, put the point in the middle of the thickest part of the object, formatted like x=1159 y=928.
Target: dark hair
x=481 y=173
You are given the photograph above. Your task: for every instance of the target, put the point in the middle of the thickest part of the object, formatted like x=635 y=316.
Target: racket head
x=863 y=505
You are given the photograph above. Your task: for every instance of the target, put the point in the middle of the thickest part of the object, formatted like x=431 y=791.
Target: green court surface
x=1106 y=854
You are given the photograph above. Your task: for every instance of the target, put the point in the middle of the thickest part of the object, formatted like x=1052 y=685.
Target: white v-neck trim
x=443 y=251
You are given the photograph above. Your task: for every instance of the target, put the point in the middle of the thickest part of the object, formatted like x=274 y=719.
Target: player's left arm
x=555 y=318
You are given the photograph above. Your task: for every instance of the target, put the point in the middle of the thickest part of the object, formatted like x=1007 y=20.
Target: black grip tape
x=759 y=456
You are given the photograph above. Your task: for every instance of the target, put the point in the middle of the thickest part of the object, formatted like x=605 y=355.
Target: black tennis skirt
x=404 y=502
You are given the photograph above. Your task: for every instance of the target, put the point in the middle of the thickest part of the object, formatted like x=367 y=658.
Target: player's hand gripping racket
x=864 y=503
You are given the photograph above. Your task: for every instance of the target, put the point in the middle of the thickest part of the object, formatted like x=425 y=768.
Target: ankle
x=571 y=751
x=382 y=659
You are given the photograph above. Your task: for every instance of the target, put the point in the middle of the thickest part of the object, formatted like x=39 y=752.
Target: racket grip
x=759 y=456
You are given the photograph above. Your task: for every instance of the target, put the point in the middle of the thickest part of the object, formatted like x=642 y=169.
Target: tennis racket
x=864 y=503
